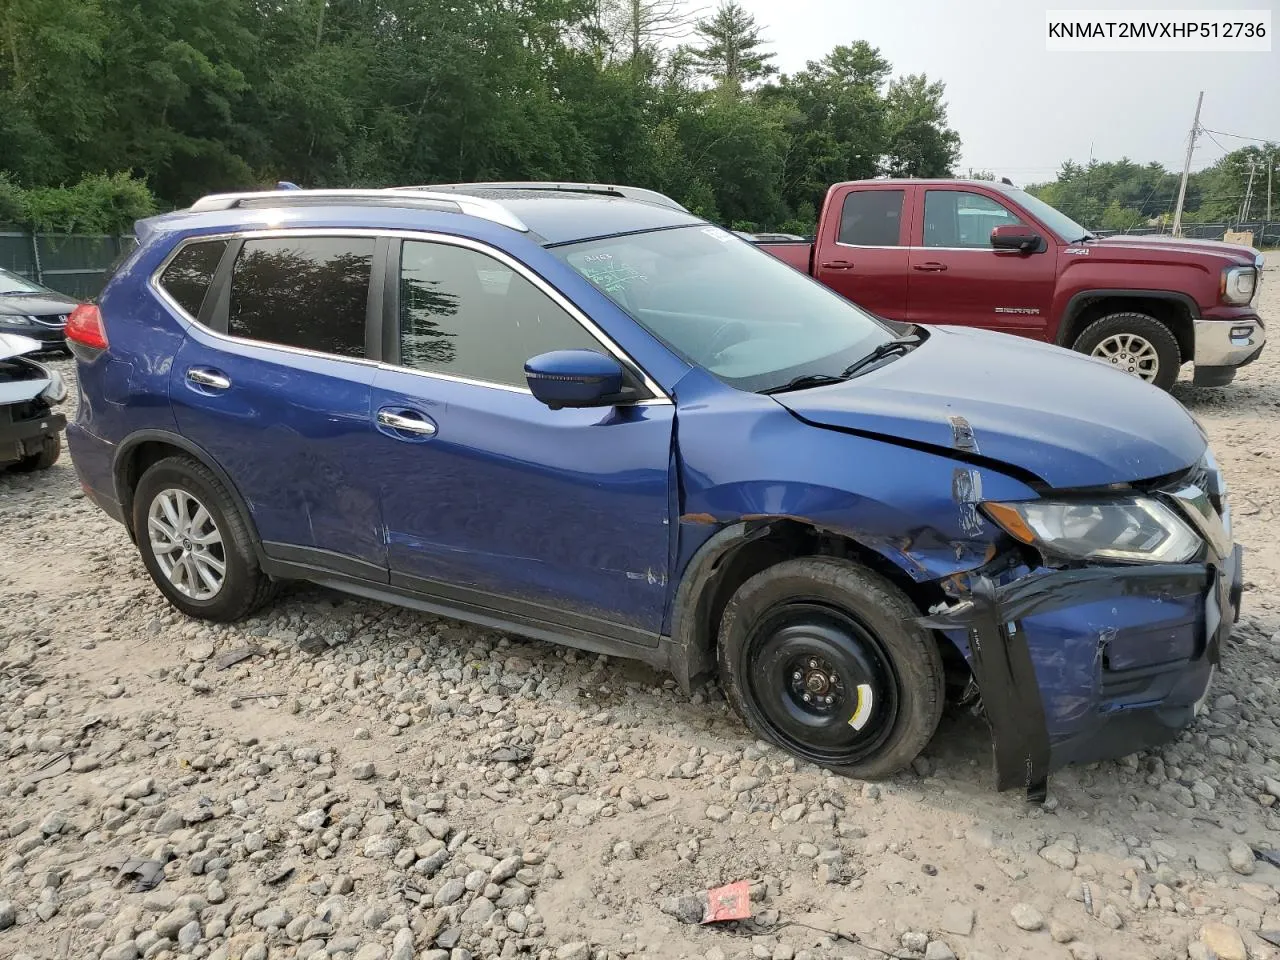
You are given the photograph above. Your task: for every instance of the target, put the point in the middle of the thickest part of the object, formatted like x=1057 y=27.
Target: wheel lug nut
x=797 y=675
x=813 y=664
x=830 y=699
x=807 y=698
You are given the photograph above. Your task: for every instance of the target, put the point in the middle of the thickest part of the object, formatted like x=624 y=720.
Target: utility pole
x=1271 y=162
x=1248 y=192
x=1186 y=167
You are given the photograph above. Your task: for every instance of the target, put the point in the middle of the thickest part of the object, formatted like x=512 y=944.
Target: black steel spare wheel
x=823 y=658
x=822 y=682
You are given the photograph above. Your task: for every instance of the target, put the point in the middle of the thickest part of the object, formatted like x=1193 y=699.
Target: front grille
x=52 y=320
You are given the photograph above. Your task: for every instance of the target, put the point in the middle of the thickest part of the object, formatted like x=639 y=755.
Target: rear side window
x=871 y=218
x=190 y=273
x=308 y=292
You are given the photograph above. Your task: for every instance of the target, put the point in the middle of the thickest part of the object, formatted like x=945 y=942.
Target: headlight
x=16 y=321
x=1238 y=284
x=1136 y=529
x=56 y=391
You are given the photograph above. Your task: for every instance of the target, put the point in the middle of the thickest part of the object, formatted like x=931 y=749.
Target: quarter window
x=465 y=314
x=190 y=273
x=956 y=218
x=309 y=292
x=871 y=218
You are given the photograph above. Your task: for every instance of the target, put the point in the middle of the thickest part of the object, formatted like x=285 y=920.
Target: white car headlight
x=15 y=321
x=1238 y=284
x=1132 y=529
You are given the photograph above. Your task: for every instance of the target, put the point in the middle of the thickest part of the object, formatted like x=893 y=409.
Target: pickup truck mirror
x=1015 y=236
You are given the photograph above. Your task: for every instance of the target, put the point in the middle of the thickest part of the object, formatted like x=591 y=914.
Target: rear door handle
x=837 y=265
x=209 y=378
x=406 y=421
x=930 y=266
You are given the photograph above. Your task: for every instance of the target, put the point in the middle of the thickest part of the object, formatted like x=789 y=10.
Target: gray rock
x=362 y=771
x=371 y=951
x=1109 y=916
x=450 y=892
x=199 y=651
x=1082 y=951
x=1211 y=862
x=53 y=824
x=169 y=821
x=687 y=907
x=957 y=918
x=937 y=950
x=1026 y=916
x=718 y=814
x=1061 y=932
x=140 y=788
x=915 y=941
x=189 y=935
x=402 y=946
x=312 y=820
x=173 y=921
x=8 y=914
x=121 y=951
x=1240 y=857
x=505 y=869
x=376 y=916
x=480 y=910
x=1059 y=856
x=624 y=850
x=272 y=917
x=578 y=950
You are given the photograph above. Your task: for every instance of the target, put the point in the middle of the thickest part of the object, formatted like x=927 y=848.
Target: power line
x=1237 y=136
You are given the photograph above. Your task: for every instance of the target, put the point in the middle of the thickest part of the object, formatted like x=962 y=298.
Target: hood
x=1156 y=244
x=1069 y=420
x=35 y=304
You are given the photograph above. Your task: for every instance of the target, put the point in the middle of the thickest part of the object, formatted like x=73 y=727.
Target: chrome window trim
x=659 y=398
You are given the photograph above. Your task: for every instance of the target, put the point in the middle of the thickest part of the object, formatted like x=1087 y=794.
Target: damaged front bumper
x=1080 y=665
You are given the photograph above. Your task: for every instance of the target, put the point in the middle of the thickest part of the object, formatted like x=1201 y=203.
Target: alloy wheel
x=186 y=543
x=1131 y=353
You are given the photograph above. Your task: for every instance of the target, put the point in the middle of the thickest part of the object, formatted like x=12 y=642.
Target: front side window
x=720 y=303
x=871 y=218
x=465 y=314
x=309 y=292
x=189 y=275
x=957 y=218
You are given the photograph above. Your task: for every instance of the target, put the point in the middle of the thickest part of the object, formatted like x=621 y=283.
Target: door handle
x=929 y=266
x=837 y=265
x=418 y=426
x=208 y=378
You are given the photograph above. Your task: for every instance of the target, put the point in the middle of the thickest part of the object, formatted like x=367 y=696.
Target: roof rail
x=606 y=189
x=396 y=197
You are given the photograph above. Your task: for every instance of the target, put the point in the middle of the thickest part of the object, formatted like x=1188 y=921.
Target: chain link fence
x=74 y=264
x=1266 y=234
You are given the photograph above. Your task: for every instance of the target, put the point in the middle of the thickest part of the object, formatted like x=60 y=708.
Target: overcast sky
x=1021 y=110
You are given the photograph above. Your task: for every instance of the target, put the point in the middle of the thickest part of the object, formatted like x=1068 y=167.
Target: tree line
x=1123 y=195
x=112 y=108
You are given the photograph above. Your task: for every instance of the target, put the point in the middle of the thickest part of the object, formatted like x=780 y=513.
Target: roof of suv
x=550 y=213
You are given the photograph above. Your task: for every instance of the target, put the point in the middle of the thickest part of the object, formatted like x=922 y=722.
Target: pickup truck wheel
x=1134 y=343
x=195 y=544
x=50 y=450
x=823 y=658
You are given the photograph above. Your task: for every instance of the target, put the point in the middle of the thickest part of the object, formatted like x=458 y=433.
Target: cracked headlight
x=1133 y=529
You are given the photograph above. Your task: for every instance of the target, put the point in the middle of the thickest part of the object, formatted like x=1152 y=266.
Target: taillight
x=84 y=327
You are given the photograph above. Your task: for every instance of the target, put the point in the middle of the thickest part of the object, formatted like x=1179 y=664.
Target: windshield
x=12 y=283
x=717 y=301
x=1068 y=230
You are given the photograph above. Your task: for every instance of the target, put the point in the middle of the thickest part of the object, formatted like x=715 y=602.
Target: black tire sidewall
x=241 y=566
x=879 y=607
x=1142 y=325
x=50 y=450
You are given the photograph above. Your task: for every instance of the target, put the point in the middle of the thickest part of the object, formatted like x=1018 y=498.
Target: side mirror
x=574 y=378
x=1015 y=236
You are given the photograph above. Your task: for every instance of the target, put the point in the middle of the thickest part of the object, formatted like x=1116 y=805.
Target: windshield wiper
x=808 y=380
x=888 y=348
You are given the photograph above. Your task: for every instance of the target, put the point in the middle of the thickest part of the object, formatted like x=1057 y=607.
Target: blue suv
x=587 y=416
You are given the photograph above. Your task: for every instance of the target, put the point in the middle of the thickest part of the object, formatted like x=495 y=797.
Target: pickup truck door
x=955 y=275
x=861 y=249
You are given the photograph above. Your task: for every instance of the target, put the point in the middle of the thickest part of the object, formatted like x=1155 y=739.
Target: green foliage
x=196 y=96
x=98 y=203
x=1123 y=195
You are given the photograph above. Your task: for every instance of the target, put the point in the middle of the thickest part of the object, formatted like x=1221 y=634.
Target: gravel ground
x=378 y=784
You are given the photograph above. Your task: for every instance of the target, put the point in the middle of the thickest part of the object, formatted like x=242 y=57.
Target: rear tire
x=1134 y=343
x=195 y=544
x=50 y=450
x=824 y=658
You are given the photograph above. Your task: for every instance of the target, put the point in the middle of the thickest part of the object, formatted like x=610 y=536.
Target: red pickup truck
x=986 y=254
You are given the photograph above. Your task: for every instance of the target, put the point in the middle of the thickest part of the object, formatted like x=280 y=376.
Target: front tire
x=823 y=658
x=50 y=450
x=1134 y=343
x=195 y=544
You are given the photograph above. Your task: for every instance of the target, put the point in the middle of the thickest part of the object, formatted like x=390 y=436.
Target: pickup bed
x=985 y=254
